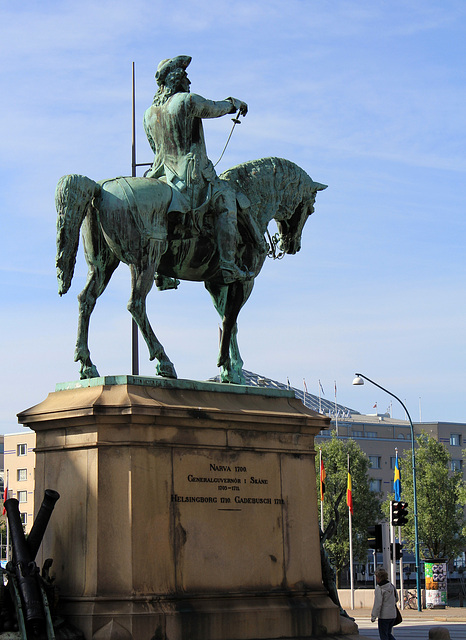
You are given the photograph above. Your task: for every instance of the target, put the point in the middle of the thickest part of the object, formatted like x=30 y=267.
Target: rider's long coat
x=176 y=135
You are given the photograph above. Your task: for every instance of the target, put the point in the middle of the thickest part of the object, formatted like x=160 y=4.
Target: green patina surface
x=165 y=383
x=181 y=222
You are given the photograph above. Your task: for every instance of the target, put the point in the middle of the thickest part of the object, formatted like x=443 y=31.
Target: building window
x=455 y=439
x=456 y=465
x=371 y=434
x=392 y=462
x=375 y=461
x=22 y=475
x=357 y=434
x=400 y=436
x=22 y=450
x=375 y=485
x=22 y=496
x=24 y=518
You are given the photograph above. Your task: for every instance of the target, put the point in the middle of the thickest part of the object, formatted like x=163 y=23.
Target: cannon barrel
x=40 y=523
x=25 y=567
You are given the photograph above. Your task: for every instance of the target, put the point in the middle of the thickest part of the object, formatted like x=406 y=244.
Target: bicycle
x=410 y=600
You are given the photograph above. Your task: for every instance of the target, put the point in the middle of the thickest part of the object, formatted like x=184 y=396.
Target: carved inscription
x=227 y=485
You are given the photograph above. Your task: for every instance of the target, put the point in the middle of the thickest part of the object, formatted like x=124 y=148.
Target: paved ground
x=416 y=624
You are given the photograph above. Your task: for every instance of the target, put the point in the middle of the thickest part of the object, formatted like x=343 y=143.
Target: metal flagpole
x=336 y=411
x=134 y=326
x=397 y=492
x=350 y=523
x=7 y=523
x=401 y=572
x=393 y=546
x=321 y=494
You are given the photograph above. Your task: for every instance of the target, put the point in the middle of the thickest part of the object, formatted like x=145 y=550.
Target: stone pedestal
x=187 y=510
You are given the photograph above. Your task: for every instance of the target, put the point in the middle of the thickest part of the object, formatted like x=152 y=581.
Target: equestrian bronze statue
x=181 y=221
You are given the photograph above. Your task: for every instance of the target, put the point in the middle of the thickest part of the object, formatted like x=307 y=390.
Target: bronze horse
x=125 y=220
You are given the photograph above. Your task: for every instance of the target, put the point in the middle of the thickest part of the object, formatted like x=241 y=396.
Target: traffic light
x=398 y=551
x=399 y=513
x=374 y=538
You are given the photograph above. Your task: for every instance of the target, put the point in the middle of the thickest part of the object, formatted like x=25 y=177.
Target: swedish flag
x=397 y=479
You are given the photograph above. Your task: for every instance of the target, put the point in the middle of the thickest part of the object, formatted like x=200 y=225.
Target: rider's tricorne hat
x=167 y=66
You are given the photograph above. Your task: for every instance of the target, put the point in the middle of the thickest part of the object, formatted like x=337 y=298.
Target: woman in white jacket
x=384 y=607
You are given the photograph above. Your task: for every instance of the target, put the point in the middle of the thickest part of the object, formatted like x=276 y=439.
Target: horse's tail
x=73 y=197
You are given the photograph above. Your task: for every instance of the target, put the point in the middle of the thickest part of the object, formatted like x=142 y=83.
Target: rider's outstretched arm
x=203 y=108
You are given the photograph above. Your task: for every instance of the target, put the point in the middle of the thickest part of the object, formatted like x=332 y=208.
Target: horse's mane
x=267 y=179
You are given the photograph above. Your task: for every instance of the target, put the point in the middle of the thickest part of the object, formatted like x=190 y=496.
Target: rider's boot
x=226 y=239
x=164 y=283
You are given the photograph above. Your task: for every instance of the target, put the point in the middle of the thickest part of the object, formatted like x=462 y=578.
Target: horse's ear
x=319 y=186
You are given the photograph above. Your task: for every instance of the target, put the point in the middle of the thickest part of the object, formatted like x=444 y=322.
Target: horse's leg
x=228 y=301
x=233 y=367
x=102 y=262
x=218 y=294
x=142 y=279
x=97 y=279
x=235 y=370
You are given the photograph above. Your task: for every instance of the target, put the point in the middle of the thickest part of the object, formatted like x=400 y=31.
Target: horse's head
x=290 y=227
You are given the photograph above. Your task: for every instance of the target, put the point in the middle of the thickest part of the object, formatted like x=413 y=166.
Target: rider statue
x=173 y=125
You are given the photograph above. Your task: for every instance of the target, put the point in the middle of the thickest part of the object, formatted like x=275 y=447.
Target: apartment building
x=380 y=437
x=19 y=462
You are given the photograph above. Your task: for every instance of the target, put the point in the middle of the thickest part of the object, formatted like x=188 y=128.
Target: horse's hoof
x=89 y=372
x=232 y=377
x=166 y=369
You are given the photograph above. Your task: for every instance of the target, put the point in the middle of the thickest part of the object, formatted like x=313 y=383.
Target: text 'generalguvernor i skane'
x=252 y=480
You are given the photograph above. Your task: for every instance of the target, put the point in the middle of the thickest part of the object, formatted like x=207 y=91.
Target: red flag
x=323 y=475
x=349 y=494
x=5 y=498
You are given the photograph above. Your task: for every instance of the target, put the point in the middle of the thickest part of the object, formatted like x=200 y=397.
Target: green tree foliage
x=366 y=503
x=440 y=500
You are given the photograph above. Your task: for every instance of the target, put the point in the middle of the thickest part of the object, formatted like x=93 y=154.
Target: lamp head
x=358 y=381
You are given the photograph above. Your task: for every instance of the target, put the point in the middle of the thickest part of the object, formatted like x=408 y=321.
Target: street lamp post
x=359 y=380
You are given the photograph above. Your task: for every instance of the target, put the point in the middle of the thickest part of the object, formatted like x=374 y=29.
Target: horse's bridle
x=273 y=242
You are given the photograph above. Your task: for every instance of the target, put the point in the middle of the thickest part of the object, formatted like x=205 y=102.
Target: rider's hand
x=243 y=108
x=239 y=105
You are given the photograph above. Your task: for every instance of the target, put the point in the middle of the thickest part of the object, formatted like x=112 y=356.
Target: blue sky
x=368 y=97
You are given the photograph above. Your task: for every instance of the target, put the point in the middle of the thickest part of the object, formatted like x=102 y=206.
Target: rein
x=235 y=121
x=273 y=242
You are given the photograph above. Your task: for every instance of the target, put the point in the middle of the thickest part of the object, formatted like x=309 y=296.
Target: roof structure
x=321 y=405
